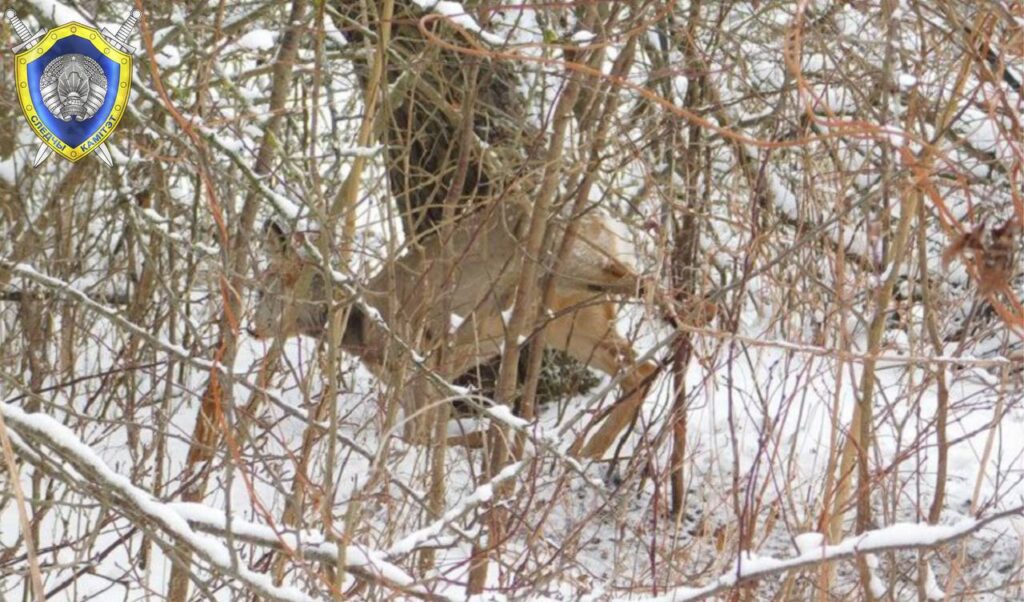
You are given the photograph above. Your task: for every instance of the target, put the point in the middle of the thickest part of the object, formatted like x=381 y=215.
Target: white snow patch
x=7 y=172
x=58 y=11
x=258 y=39
x=906 y=81
x=456 y=13
x=931 y=585
x=87 y=462
x=807 y=542
x=583 y=37
x=504 y=414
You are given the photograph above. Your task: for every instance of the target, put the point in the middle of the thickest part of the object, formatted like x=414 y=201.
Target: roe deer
x=472 y=274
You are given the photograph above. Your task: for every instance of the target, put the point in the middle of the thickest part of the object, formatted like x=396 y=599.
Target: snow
x=875 y=583
x=258 y=39
x=457 y=13
x=461 y=426
x=484 y=493
x=897 y=536
x=309 y=543
x=459 y=390
x=985 y=135
x=504 y=414
x=71 y=450
x=768 y=73
x=7 y=171
x=583 y=37
x=332 y=32
x=784 y=386
x=784 y=198
x=164 y=225
x=58 y=11
x=168 y=57
x=58 y=285
x=807 y=542
x=906 y=81
x=365 y=152
x=931 y=585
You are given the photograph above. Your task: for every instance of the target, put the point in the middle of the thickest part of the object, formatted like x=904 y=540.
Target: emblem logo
x=73 y=85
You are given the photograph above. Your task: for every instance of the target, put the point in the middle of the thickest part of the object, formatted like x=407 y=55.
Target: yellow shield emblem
x=73 y=86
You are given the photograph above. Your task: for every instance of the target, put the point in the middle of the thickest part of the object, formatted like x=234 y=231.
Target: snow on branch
x=65 y=289
x=366 y=152
x=481 y=495
x=36 y=432
x=69 y=291
x=899 y=536
x=457 y=14
x=367 y=564
x=58 y=11
x=280 y=202
x=132 y=502
x=538 y=436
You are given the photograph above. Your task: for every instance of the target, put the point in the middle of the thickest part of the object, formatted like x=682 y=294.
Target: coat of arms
x=73 y=85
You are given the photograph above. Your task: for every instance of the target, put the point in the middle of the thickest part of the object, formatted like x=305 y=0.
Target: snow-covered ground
x=770 y=390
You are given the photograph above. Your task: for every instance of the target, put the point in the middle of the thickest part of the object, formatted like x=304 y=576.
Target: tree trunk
x=420 y=122
x=421 y=117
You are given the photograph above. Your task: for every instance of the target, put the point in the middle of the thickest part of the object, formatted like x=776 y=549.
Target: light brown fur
x=474 y=279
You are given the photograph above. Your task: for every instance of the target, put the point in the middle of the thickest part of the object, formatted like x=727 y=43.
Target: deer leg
x=634 y=386
x=589 y=335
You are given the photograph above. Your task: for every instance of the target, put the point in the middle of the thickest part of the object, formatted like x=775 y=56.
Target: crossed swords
x=119 y=40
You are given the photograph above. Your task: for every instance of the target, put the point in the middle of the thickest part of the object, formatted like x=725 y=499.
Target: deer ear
x=275 y=237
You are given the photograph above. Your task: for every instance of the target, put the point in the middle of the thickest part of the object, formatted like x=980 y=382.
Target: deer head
x=292 y=292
